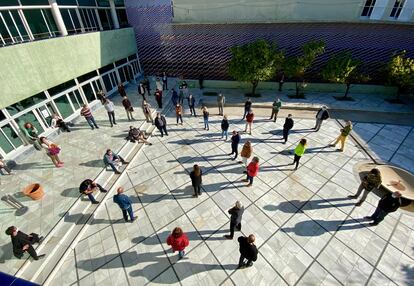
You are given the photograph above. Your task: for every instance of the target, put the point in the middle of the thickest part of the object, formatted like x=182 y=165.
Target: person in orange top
x=178 y=241
x=252 y=170
x=179 y=113
x=249 y=121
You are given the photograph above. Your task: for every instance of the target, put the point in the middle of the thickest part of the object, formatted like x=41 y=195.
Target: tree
x=254 y=62
x=342 y=68
x=296 y=67
x=401 y=72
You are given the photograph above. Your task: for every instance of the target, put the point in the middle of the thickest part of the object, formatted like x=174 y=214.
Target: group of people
x=178 y=240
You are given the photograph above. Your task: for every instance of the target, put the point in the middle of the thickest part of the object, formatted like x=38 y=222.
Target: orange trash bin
x=34 y=191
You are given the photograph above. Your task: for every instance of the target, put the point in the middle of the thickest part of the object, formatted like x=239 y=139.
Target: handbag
x=131 y=109
x=54 y=150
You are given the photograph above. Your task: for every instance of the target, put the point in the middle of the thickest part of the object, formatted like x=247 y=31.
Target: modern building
x=55 y=56
x=193 y=37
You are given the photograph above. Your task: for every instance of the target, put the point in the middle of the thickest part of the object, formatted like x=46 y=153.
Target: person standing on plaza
x=111 y=159
x=277 y=104
x=247 y=107
x=369 y=183
x=88 y=186
x=141 y=90
x=24 y=243
x=281 y=77
x=191 y=104
x=101 y=96
x=125 y=204
x=287 y=127
x=87 y=113
x=180 y=95
x=205 y=117
x=178 y=241
x=299 y=151
x=388 y=204
x=344 y=134
x=321 y=115
x=196 y=180
x=249 y=121
x=174 y=96
x=246 y=152
x=158 y=84
x=221 y=100
x=3 y=166
x=179 y=113
x=121 y=89
x=161 y=124
x=158 y=97
x=224 y=127
x=31 y=134
x=235 y=140
x=146 y=109
x=147 y=85
x=252 y=171
x=164 y=81
x=52 y=151
x=110 y=108
x=236 y=214
x=57 y=122
x=128 y=108
x=248 y=251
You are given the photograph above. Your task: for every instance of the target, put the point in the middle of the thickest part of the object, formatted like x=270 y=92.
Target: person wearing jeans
x=299 y=151
x=128 y=107
x=24 y=243
x=87 y=187
x=191 y=105
x=111 y=158
x=196 y=180
x=179 y=113
x=388 y=204
x=224 y=127
x=205 y=117
x=87 y=113
x=124 y=203
x=252 y=170
x=235 y=140
x=178 y=241
x=369 y=183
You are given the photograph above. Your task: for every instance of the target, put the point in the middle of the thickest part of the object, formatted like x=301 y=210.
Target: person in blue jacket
x=125 y=204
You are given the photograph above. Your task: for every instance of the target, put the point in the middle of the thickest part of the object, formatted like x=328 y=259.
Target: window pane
x=61 y=87
x=76 y=99
x=36 y=23
x=26 y=103
x=2 y=116
x=10 y=25
x=122 y=18
x=10 y=3
x=97 y=85
x=119 y=3
x=107 y=82
x=132 y=57
x=12 y=136
x=67 y=2
x=106 y=68
x=63 y=105
x=87 y=90
x=20 y=25
x=50 y=21
x=120 y=62
x=104 y=19
x=87 y=3
x=34 y=2
x=121 y=74
x=4 y=33
x=29 y=117
x=87 y=76
x=103 y=3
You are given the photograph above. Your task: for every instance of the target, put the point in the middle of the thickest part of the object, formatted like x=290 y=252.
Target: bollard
x=11 y=201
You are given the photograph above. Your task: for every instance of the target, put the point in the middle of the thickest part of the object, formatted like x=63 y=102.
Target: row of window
x=41 y=24
x=100 y=3
x=64 y=99
x=395 y=12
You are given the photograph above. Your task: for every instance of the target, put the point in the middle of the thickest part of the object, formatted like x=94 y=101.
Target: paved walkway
x=308 y=232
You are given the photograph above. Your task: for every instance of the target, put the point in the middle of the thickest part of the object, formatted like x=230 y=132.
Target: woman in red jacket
x=178 y=241
x=252 y=170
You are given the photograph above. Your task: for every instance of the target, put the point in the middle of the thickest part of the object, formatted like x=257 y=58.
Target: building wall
x=276 y=11
x=37 y=66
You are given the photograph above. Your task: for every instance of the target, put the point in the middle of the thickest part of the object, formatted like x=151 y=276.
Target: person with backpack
x=224 y=127
x=321 y=115
x=178 y=241
x=369 y=183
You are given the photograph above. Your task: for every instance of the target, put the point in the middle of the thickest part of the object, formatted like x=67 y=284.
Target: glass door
x=76 y=99
x=45 y=113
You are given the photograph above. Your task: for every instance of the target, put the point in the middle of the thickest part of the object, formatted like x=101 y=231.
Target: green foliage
x=401 y=71
x=254 y=62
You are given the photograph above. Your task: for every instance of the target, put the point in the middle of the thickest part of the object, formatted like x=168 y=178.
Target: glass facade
x=65 y=99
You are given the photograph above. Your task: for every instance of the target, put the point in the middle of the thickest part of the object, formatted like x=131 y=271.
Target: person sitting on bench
x=110 y=158
x=135 y=135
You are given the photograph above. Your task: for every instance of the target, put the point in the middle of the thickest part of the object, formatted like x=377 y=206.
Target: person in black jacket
x=286 y=127
x=88 y=186
x=247 y=250
x=247 y=107
x=321 y=115
x=22 y=242
x=236 y=213
x=224 y=127
x=161 y=124
x=196 y=180
x=235 y=140
x=388 y=204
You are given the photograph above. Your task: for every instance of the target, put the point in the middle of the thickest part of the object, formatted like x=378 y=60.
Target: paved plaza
x=308 y=232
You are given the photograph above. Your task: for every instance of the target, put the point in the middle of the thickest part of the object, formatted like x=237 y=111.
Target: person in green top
x=369 y=183
x=299 y=151
x=344 y=134
x=277 y=104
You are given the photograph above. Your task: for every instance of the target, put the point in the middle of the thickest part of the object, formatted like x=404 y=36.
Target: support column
x=58 y=18
x=113 y=14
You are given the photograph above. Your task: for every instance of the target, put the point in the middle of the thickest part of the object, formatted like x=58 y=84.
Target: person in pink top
x=178 y=241
x=252 y=170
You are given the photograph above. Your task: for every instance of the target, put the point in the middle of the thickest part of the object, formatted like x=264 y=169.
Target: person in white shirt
x=110 y=108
